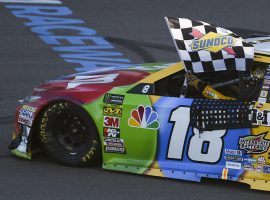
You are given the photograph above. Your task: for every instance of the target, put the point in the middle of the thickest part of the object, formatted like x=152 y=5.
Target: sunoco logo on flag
x=254 y=144
x=213 y=42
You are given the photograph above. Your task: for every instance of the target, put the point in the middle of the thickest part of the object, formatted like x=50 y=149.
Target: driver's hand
x=192 y=80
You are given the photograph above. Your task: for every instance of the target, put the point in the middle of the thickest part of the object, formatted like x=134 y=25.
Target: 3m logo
x=112 y=111
x=144 y=117
x=113 y=122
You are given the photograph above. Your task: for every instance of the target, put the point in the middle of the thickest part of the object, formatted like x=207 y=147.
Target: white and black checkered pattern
x=203 y=60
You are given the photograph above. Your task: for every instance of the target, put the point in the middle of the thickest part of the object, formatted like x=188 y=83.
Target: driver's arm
x=206 y=90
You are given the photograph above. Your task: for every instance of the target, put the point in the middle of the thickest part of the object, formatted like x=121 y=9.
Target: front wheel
x=69 y=135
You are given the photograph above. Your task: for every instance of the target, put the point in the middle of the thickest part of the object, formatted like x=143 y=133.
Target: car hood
x=102 y=78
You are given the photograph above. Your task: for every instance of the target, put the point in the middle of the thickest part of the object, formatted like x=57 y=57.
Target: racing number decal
x=196 y=152
x=215 y=145
x=145 y=89
x=181 y=119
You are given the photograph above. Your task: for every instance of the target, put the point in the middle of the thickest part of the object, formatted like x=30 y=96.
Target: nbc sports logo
x=143 y=117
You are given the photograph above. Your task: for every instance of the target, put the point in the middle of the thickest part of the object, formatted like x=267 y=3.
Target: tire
x=69 y=135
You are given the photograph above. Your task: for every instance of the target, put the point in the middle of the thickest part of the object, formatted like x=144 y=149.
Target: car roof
x=163 y=73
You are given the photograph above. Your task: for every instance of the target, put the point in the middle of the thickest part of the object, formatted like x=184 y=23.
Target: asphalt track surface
x=137 y=29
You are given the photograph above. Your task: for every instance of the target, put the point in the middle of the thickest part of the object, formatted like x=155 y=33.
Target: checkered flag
x=207 y=48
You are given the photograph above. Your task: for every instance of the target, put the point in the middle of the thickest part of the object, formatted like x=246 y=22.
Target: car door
x=185 y=152
x=192 y=152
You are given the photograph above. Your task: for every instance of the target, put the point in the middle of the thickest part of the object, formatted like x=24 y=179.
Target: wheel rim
x=70 y=132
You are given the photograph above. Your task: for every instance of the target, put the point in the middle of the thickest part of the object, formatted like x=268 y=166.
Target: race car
x=147 y=119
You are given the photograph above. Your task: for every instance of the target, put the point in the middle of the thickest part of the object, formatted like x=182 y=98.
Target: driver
x=206 y=90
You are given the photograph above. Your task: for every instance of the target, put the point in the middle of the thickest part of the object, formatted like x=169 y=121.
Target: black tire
x=69 y=135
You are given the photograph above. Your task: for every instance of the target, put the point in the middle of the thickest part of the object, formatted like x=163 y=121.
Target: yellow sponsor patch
x=112 y=111
x=213 y=42
x=29 y=108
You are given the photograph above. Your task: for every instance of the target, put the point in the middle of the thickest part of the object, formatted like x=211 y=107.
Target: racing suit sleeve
x=206 y=90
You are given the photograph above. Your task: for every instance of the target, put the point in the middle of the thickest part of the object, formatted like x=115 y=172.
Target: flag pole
x=185 y=84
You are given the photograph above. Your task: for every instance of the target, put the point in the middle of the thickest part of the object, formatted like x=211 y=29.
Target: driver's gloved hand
x=206 y=90
x=194 y=81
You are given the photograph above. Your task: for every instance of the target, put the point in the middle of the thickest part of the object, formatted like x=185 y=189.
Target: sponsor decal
x=250 y=160
x=113 y=122
x=210 y=93
x=234 y=158
x=233 y=152
x=261 y=160
x=26 y=114
x=266 y=169
x=27 y=122
x=266 y=82
x=114 y=145
x=225 y=174
x=113 y=99
x=213 y=42
x=254 y=144
x=261 y=117
x=113 y=149
x=112 y=111
x=265 y=87
x=263 y=94
x=233 y=165
x=262 y=100
x=29 y=108
x=26 y=117
x=259 y=169
x=94 y=79
x=267 y=77
x=144 y=117
x=114 y=142
x=249 y=168
x=111 y=132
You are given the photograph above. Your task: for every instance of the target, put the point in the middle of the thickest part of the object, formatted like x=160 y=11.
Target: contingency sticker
x=111 y=132
x=233 y=165
x=114 y=145
x=26 y=115
x=113 y=122
x=112 y=111
x=254 y=144
x=113 y=99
